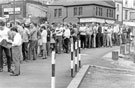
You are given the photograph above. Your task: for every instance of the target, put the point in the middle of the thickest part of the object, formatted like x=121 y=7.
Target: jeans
x=25 y=50
x=16 y=58
x=8 y=56
x=32 y=50
x=59 y=44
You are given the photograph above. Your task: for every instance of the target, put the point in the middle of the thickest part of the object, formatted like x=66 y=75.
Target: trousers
x=16 y=54
x=8 y=56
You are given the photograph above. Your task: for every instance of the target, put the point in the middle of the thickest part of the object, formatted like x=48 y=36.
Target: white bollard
x=79 y=54
x=72 y=58
x=53 y=70
x=76 y=59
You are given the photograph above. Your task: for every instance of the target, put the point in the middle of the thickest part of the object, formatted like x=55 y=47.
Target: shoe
x=11 y=71
x=14 y=74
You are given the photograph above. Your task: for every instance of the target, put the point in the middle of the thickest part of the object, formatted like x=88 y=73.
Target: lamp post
x=14 y=10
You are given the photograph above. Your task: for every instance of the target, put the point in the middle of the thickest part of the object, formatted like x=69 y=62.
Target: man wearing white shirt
x=4 y=36
x=44 y=41
x=59 y=33
x=16 y=53
x=115 y=33
x=109 y=36
x=66 y=38
x=82 y=31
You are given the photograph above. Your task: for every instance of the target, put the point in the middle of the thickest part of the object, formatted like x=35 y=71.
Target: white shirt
x=82 y=30
x=44 y=36
x=17 y=41
x=4 y=34
x=67 y=33
x=59 y=31
x=116 y=29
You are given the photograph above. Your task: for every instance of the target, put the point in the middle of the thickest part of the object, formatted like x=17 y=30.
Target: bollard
x=122 y=49
x=127 y=48
x=72 y=58
x=53 y=70
x=115 y=55
x=79 y=54
x=132 y=47
x=76 y=60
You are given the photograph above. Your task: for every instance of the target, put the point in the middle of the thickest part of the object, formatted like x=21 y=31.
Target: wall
x=35 y=10
x=51 y=17
x=118 y=12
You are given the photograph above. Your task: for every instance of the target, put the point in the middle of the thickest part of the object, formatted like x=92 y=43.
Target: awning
x=129 y=23
x=82 y=20
x=110 y=21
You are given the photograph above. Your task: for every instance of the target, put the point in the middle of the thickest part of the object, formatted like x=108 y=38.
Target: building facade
x=128 y=10
x=118 y=10
x=23 y=9
x=81 y=11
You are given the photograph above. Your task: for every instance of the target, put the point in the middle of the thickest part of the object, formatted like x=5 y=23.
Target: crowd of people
x=31 y=40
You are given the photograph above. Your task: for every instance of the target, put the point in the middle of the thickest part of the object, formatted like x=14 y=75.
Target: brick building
x=24 y=9
x=83 y=11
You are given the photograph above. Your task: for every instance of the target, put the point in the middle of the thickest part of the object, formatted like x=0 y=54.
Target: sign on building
x=8 y=11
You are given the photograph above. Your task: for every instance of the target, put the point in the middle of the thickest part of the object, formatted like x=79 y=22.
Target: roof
x=108 y=3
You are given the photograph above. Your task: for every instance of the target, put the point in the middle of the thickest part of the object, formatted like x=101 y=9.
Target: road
x=37 y=74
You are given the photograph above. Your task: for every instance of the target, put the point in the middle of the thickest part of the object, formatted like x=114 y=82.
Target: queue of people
x=30 y=41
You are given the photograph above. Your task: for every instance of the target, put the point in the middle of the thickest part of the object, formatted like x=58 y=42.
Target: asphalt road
x=37 y=74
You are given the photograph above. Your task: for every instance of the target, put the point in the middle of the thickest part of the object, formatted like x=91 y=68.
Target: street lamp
x=14 y=10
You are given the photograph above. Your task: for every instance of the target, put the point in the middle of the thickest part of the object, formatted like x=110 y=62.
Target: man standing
x=66 y=38
x=44 y=41
x=59 y=33
x=16 y=53
x=25 y=40
x=4 y=35
x=33 y=41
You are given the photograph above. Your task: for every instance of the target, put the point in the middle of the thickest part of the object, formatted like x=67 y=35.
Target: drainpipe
x=66 y=14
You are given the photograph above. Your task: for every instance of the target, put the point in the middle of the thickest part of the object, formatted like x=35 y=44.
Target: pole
x=14 y=11
x=76 y=56
x=79 y=54
x=53 y=70
x=72 y=58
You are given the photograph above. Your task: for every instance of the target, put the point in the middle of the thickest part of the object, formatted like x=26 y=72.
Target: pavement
x=37 y=74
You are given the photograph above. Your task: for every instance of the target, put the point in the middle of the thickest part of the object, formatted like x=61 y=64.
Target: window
x=107 y=13
x=60 y=13
x=75 y=11
x=134 y=3
x=80 y=10
x=110 y=13
x=55 y=12
x=98 y=11
x=117 y=7
x=126 y=14
x=117 y=17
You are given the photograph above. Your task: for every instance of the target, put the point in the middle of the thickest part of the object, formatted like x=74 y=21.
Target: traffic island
x=102 y=77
